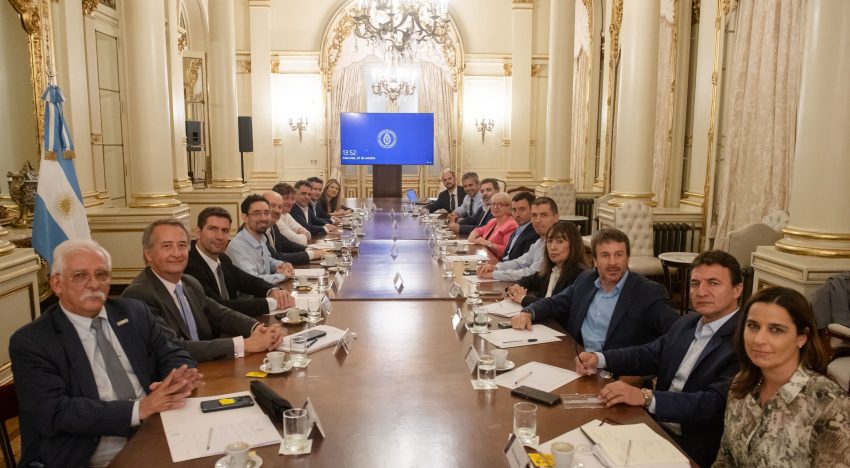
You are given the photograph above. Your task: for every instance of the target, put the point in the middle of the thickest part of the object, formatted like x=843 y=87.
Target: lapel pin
x=123 y=322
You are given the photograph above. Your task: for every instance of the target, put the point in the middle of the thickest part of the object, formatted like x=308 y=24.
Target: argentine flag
x=59 y=211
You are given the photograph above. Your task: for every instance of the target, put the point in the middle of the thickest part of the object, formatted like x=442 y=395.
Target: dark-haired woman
x=782 y=410
x=331 y=200
x=564 y=253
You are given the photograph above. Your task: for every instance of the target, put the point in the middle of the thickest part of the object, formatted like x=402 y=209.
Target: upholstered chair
x=565 y=196
x=776 y=219
x=839 y=341
x=594 y=223
x=635 y=219
x=741 y=243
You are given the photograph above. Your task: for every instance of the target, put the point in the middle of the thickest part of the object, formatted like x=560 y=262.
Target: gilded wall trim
x=508 y=69
x=614 y=33
x=718 y=35
x=35 y=18
x=89 y=6
x=243 y=66
x=341 y=31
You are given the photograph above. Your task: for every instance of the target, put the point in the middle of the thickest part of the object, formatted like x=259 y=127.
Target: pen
x=628 y=451
x=312 y=341
x=517 y=381
x=209 y=438
x=531 y=340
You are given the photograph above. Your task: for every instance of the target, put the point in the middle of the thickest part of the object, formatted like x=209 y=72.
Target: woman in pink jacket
x=496 y=234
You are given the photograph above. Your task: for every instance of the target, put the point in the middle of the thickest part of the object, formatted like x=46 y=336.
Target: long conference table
x=402 y=397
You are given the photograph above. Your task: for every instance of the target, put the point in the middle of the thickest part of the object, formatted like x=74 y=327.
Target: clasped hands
x=171 y=392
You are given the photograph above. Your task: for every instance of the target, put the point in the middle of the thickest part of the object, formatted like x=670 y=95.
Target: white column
x=820 y=214
x=559 y=99
x=264 y=174
x=635 y=116
x=221 y=64
x=147 y=105
x=178 y=102
x=521 y=21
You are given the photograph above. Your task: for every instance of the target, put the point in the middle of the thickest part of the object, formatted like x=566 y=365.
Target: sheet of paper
x=466 y=258
x=331 y=338
x=633 y=445
x=503 y=308
x=475 y=279
x=583 y=452
x=536 y=375
x=188 y=430
x=511 y=338
x=322 y=245
x=310 y=272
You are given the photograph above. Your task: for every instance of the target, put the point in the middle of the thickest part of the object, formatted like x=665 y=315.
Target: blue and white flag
x=59 y=211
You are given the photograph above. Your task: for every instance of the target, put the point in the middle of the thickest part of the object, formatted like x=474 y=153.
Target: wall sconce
x=483 y=126
x=300 y=126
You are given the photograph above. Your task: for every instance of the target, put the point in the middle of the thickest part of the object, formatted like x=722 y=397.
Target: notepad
x=633 y=445
x=536 y=375
x=332 y=336
x=511 y=338
x=504 y=308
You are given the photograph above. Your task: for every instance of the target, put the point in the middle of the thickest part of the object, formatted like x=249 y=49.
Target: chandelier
x=392 y=87
x=401 y=25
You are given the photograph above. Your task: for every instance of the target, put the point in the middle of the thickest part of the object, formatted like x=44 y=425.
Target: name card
x=338 y=279
x=471 y=359
x=515 y=453
x=326 y=305
x=455 y=290
x=313 y=422
x=457 y=319
x=346 y=342
x=398 y=282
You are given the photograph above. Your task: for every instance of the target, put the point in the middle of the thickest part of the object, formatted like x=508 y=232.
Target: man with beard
x=449 y=199
x=608 y=307
x=249 y=250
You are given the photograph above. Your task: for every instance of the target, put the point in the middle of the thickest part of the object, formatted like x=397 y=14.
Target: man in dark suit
x=525 y=235
x=609 y=307
x=316 y=185
x=694 y=362
x=280 y=247
x=489 y=187
x=202 y=325
x=450 y=198
x=89 y=370
x=302 y=213
x=223 y=281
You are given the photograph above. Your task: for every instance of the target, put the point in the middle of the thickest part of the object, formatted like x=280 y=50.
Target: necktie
x=270 y=238
x=114 y=369
x=484 y=219
x=222 y=287
x=452 y=203
x=510 y=244
x=186 y=312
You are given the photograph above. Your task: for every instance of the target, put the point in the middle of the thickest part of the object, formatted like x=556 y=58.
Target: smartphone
x=504 y=324
x=222 y=404
x=314 y=334
x=534 y=394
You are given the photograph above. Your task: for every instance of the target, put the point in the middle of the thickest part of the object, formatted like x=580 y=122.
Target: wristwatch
x=647 y=397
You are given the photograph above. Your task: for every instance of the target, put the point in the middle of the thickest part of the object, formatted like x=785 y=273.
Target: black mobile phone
x=504 y=324
x=314 y=334
x=534 y=394
x=222 y=404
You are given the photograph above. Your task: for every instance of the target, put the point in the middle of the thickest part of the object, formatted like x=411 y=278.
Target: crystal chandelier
x=392 y=87
x=401 y=25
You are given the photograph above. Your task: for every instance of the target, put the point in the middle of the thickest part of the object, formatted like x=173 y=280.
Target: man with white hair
x=90 y=369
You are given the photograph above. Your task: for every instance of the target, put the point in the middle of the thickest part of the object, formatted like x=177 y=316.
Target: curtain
x=581 y=95
x=437 y=95
x=346 y=91
x=664 y=104
x=764 y=89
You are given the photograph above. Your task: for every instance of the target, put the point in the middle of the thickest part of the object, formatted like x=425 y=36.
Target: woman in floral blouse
x=782 y=409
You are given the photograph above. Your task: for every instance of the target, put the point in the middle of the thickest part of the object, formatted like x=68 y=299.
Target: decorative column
x=147 y=106
x=635 y=115
x=521 y=21
x=221 y=64
x=264 y=174
x=559 y=99
x=174 y=48
x=817 y=239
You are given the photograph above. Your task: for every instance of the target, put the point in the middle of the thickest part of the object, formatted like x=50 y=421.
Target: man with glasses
x=249 y=249
x=89 y=370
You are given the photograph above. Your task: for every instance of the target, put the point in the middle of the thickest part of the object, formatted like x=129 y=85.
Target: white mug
x=237 y=454
x=330 y=259
x=275 y=361
x=501 y=356
x=293 y=314
x=562 y=454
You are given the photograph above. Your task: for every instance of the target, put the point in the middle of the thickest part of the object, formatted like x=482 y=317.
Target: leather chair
x=741 y=243
x=594 y=222
x=839 y=367
x=565 y=196
x=635 y=219
x=8 y=410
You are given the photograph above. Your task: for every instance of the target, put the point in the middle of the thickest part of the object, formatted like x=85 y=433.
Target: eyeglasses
x=83 y=277
x=260 y=213
x=500 y=204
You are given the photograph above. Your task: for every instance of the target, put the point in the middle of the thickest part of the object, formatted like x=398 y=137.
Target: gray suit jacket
x=214 y=321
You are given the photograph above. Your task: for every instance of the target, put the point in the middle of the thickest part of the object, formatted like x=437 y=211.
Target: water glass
x=472 y=293
x=323 y=281
x=298 y=350
x=487 y=371
x=480 y=320
x=314 y=313
x=294 y=429
x=525 y=422
x=346 y=256
x=448 y=268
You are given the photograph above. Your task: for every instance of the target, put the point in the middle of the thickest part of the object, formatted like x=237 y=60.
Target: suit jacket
x=215 y=322
x=61 y=414
x=527 y=237
x=642 y=314
x=319 y=213
x=247 y=292
x=498 y=235
x=701 y=405
x=480 y=218
x=443 y=200
x=536 y=285
x=287 y=251
x=310 y=223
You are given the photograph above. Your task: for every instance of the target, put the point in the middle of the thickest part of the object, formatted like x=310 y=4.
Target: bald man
x=280 y=247
x=449 y=199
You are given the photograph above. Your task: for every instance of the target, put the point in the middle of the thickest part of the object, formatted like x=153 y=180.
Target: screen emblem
x=387 y=138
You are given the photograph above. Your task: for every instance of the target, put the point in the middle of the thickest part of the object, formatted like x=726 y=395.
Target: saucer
x=336 y=268
x=508 y=366
x=324 y=264
x=287 y=366
x=292 y=322
x=254 y=461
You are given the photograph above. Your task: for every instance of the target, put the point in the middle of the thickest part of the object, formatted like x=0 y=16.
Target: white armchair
x=635 y=219
x=776 y=219
x=839 y=341
x=594 y=222
x=741 y=243
x=565 y=196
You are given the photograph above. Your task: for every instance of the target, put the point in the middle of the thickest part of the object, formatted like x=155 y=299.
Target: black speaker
x=193 y=134
x=246 y=135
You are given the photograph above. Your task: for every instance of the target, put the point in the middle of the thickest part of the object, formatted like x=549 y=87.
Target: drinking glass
x=448 y=268
x=346 y=256
x=298 y=350
x=525 y=422
x=487 y=371
x=323 y=281
x=294 y=429
x=480 y=320
x=472 y=294
x=314 y=314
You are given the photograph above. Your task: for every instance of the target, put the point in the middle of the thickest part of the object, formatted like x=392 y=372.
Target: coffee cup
x=562 y=454
x=330 y=259
x=501 y=357
x=237 y=454
x=302 y=280
x=293 y=314
x=275 y=361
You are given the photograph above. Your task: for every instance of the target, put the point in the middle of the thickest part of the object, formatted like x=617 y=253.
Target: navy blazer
x=240 y=286
x=521 y=246
x=319 y=212
x=311 y=224
x=480 y=218
x=61 y=414
x=287 y=251
x=642 y=314
x=443 y=200
x=701 y=405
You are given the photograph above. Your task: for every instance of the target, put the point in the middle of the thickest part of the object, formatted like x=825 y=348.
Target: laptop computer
x=412 y=198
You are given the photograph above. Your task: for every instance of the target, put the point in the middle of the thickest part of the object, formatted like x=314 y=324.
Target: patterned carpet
x=14 y=434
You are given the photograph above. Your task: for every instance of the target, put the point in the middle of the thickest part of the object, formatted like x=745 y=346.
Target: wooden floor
x=15 y=435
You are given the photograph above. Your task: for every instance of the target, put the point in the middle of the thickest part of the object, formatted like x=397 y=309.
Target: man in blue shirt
x=608 y=307
x=249 y=250
x=473 y=200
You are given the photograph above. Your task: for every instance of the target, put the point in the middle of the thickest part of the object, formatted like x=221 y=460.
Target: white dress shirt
x=289 y=228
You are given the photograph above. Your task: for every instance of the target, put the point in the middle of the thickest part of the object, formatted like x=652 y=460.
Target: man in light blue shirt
x=544 y=215
x=472 y=201
x=248 y=249
x=694 y=362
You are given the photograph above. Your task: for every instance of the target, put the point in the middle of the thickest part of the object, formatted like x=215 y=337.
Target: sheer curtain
x=346 y=92
x=581 y=93
x=664 y=103
x=437 y=95
x=764 y=92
